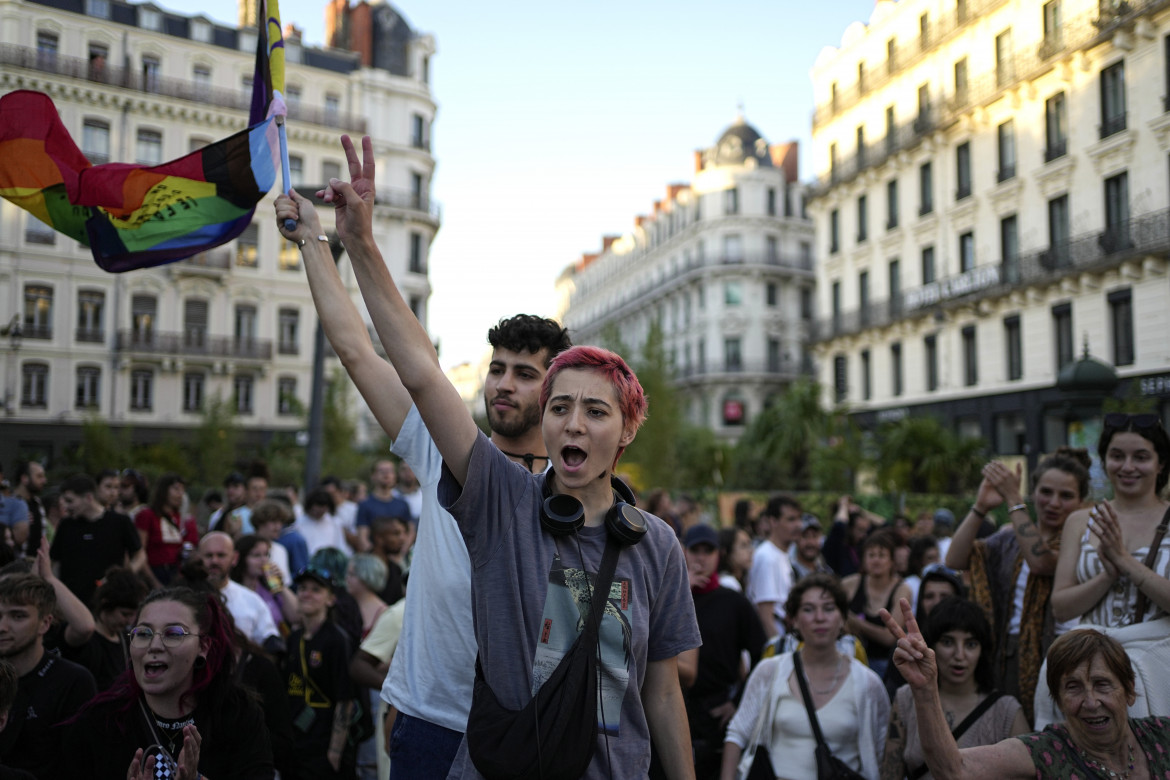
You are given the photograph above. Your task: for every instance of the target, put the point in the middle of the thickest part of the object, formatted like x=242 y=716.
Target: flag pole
x=289 y=224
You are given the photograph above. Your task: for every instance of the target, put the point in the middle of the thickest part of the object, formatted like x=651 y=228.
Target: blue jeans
x=421 y=750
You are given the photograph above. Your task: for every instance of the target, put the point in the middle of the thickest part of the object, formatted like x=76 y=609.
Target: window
x=833 y=161
x=195 y=143
x=806 y=304
x=246 y=84
x=834 y=231
x=193 y=392
x=417 y=262
x=141 y=390
x=866 y=376
x=330 y=170
x=95 y=141
x=38 y=311
x=891 y=204
x=296 y=169
x=1116 y=237
x=99 y=55
x=151 y=71
x=417 y=195
x=1006 y=136
x=774 y=360
x=806 y=255
x=840 y=378
x=289 y=258
x=896 y=367
x=1053 y=34
x=1121 y=326
x=149 y=148
x=966 y=252
x=732 y=293
x=922 y=122
x=863 y=296
x=46 y=50
x=860 y=146
x=861 y=88
x=34 y=385
x=242 y=388
x=930 y=350
x=195 y=323
x=286 y=395
x=891 y=56
x=245 y=325
x=927 y=264
x=963 y=171
x=891 y=131
x=894 y=274
x=98 y=8
x=418 y=136
x=731 y=201
x=289 y=329
x=91 y=305
x=960 y=11
x=771 y=249
x=1009 y=248
x=961 y=93
x=925 y=190
x=1005 y=64
x=836 y=305
x=292 y=96
x=426 y=70
x=200 y=31
x=247 y=251
x=732 y=359
x=772 y=203
x=201 y=75
x=333 y=110
x=862 y=219
x=1013 y=347
x=1058 y=232
x=833 y=96
x=37 y=232
x=89 y=382
x=1113 y=99
x=733 y=248
x=149 y=19
x=770 y=294
x=970 y=357
x=1055 y=127
x=1062 y=334
x=923 y=32
x=142 y=316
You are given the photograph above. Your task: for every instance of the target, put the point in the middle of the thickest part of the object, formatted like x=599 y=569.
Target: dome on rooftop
x=1087 y=376
x=740 y=142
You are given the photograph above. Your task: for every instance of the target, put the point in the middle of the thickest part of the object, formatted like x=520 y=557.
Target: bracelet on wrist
x=1017 y=507
x=978 y=512
x=321 y=237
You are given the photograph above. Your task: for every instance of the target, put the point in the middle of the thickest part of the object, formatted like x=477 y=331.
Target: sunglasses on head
x=1138 y=422
x=315 y=571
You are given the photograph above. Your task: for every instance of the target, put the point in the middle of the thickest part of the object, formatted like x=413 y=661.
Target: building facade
x=150 y=349
x=992 y=200
x=724 y=266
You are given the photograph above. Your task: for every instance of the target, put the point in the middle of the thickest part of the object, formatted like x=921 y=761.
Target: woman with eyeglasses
x=1119 y=561
x=178 y=711
x=1011 y=570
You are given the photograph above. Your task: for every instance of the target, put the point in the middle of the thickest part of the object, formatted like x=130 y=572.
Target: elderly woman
x=1093 y=683
x=364 y=579
x=851 y=704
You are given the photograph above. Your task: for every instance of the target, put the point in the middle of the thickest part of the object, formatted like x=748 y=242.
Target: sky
x=558 y=123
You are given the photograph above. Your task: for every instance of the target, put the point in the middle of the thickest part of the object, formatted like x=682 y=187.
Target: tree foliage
x=338 y=454
x=920 y=455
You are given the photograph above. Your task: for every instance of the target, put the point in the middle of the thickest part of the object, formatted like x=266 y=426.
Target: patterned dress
x=1055 y=755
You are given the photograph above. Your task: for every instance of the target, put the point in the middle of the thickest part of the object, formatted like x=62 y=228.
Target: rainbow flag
x=135 y=216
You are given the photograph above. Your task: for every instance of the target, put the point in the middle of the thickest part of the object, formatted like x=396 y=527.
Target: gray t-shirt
x=529 y=591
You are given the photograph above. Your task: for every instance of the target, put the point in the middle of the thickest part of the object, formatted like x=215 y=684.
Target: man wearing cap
x=729 y=626
x=235 y=495
x=771 y=576
x=806 y=550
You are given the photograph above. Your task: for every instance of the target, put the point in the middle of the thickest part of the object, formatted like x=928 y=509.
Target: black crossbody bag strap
x=808 y=702
x=961 y=729
x=1143 y=600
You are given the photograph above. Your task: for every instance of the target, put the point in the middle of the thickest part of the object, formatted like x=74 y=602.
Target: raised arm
x=374 y=378
x=406 y=342
x=1040 y=557
x=959 y=552
x=1006 y=760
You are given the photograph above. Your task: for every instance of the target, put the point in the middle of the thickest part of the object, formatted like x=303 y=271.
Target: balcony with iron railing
x=714 y=369
x=138 y=80
x=1147 y=235
x=193 y=344
x=1026 y=64
x=89 y=335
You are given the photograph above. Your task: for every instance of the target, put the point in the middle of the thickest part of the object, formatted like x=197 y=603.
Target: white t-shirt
x=249 y=611
x=322 y=533
x=279 y=555
x=771 y=579
x=433 y=671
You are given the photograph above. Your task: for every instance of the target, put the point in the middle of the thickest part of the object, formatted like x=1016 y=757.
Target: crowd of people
x=501 y=604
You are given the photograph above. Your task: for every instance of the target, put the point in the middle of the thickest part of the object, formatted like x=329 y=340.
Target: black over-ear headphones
x=562 y=514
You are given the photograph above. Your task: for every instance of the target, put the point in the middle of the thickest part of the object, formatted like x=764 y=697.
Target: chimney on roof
x=638 y=220
x=672 y=190
x=786 y=156
x=698 y=160
x=607 y=242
